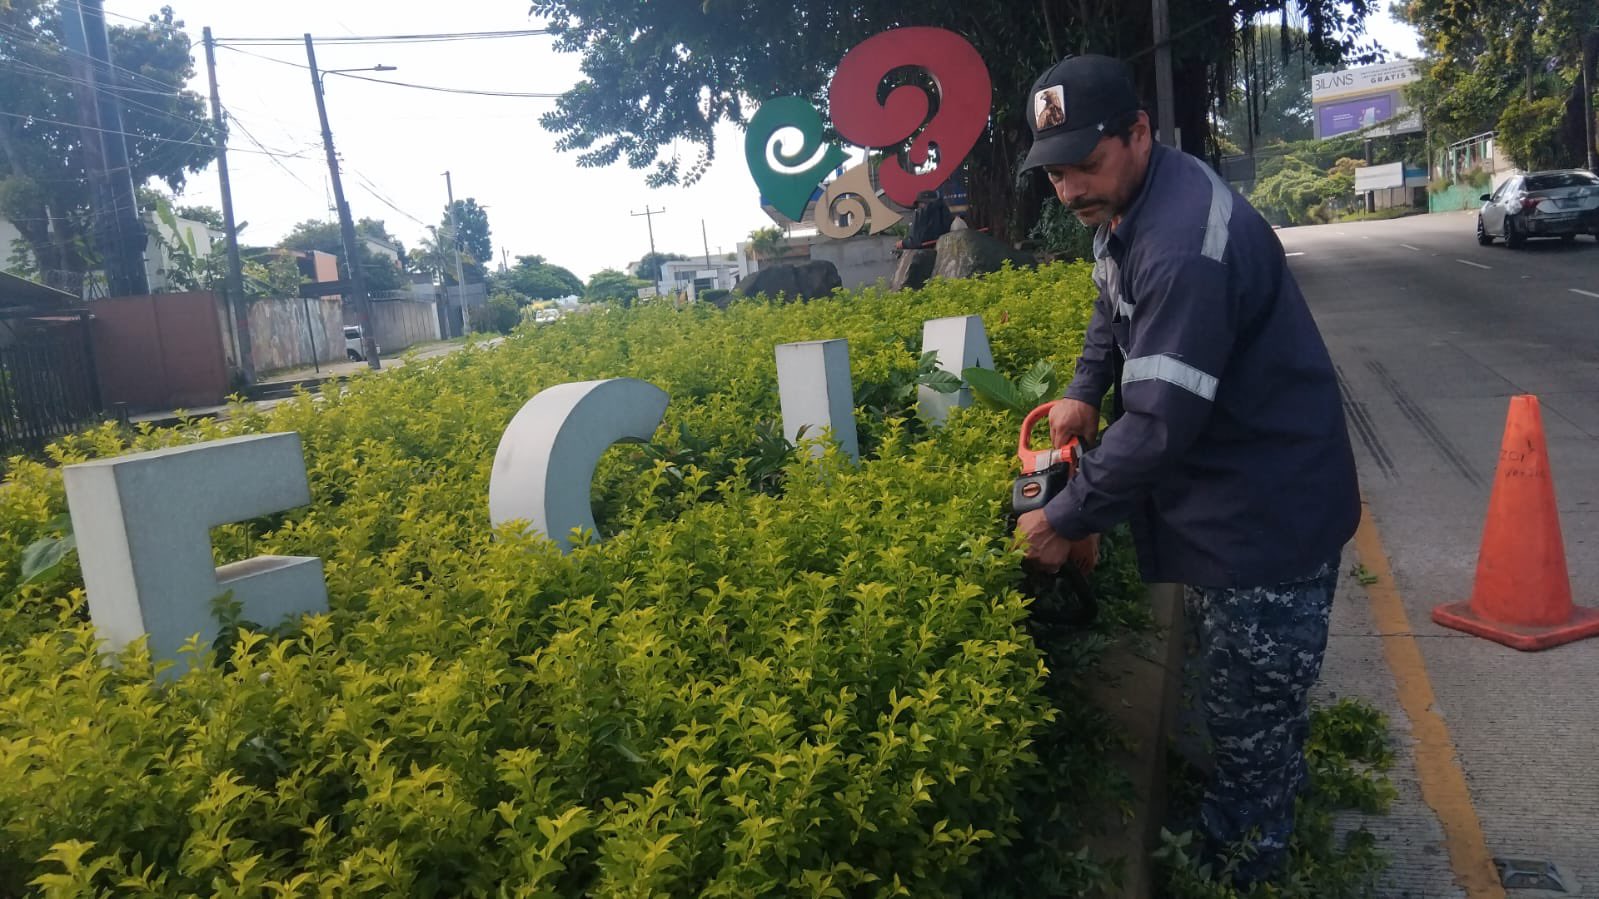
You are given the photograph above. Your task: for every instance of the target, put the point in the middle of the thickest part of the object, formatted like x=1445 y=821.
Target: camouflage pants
x=1259 y=652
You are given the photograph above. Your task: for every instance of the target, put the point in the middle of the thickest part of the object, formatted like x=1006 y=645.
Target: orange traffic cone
x=1522 y=596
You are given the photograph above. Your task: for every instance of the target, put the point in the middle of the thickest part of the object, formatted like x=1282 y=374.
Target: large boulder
x=796 y=281
x=962 y=254
x=915 y=267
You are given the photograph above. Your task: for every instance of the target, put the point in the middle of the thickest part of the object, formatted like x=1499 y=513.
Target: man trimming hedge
x=1227 y=450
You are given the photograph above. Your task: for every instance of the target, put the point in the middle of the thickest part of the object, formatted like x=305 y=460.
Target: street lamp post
x=352 y=258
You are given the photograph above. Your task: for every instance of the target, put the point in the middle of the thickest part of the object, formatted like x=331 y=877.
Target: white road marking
x=1586 y=293
x=1293 y=254
x=1409 y=247
x=1364 y=237
x=1341 y=233
x=1475 y=264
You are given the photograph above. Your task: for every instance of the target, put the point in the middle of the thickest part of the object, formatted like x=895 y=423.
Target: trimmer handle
x=1035 y=461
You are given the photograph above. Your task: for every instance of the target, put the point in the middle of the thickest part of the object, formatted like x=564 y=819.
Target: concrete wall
x=1400 y=198
x=278 y=333
x=160 y=352
x=860 y=260
x=398 y=324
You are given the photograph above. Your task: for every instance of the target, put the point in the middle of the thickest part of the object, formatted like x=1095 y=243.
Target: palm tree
x=436 y=255
x=765 y=243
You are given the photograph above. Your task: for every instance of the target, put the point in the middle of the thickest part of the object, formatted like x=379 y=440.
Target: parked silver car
x=1540 y=204
x=354 y=347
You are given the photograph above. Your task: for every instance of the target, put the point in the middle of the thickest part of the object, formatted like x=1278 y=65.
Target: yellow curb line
x=1443 y=781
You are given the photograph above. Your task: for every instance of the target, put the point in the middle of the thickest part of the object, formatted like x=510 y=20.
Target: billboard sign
x=1348 y=116
x=1364 y=80
x=1368 y=100
x=1380 y=177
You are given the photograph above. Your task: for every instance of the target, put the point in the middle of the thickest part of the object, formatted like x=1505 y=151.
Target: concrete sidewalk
x=327 y=370
x=1356 y=667
x=312 y=377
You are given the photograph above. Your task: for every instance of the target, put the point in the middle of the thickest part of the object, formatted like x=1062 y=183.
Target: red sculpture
x=965 y=96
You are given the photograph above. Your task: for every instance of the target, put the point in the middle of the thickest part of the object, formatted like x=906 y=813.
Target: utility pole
x=707 y=241
x=92 y=136
x=1588 y=58
x=234 y=285
x=455 y=238
x=352 y=260
x=127 y=269
x=1371 y=196
x=1165 y=102
x=649 y=217
x=119 y=234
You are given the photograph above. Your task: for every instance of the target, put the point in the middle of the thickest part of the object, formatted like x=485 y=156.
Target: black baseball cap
x=1071 y=106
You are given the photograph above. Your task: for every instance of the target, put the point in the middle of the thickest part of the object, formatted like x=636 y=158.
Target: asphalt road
x=1432 y=335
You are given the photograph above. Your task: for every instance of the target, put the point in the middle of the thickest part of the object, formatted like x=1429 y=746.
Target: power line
x=60 y=48
x=136 y=136
x=71 y=79
x=425 y=87
x=453 y=90
x=281 y=62
x=434 y=38
x=195 y=125
x=148 y=23
x=369 y=187
x=274 y=156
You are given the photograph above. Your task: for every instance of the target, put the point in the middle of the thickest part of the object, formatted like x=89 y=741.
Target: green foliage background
x=814 y=682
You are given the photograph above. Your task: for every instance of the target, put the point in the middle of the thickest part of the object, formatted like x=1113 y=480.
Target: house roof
x=18 y=292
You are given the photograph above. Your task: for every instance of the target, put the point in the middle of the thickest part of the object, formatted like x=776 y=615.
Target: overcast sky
x=396 y=142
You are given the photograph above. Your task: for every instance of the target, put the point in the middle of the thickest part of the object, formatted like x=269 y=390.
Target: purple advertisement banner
x=1353 y=115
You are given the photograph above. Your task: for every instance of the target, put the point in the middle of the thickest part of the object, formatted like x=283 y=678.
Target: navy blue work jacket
x=1229 y=453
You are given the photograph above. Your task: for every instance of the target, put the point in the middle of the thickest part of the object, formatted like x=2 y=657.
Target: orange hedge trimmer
x=1064 y=597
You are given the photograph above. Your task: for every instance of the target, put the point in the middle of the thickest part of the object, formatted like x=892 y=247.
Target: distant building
x=385 y=249
x=159 y=264
x=690 y=276
x=158 y=253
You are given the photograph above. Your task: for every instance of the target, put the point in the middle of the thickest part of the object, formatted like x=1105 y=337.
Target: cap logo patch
x=1049 y=108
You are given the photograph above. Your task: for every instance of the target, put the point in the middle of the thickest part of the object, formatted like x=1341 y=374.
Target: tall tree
x=382 y=273
x=209 y=215
x=649 y=268
x=536 y=279
x=765 y=243
x=436 y=256
x=1271 y=89
x=44 y=186
x=660 y=77
x=472 y=221
x=1514 y=68
x=610 y=284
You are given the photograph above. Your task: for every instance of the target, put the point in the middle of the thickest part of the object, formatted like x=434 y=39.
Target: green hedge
x=778 y=676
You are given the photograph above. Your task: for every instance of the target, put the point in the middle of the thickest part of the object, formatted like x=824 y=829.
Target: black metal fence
x=48 y=386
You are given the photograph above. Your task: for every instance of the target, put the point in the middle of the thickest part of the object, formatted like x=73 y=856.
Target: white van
x=352 y=344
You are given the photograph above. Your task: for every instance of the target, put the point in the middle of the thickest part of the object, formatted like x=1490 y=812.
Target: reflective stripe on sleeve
x=1221 y=215
x=1173 y=371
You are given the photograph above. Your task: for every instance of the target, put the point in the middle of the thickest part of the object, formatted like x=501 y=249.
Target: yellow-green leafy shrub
x=814 y=682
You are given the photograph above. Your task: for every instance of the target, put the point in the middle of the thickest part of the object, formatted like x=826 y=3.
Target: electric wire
x=60 y=48
x=276 y=157
x=426 y=87
x=369 y=187
x=196 y=125
x=433 y=38
x=165 y=140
